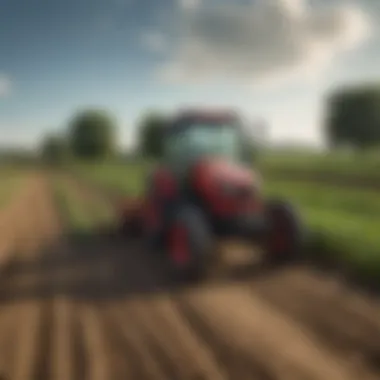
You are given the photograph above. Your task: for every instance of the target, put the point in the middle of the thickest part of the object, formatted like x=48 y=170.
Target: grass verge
x=75 y=216
x=334 y=166
x=82 y=215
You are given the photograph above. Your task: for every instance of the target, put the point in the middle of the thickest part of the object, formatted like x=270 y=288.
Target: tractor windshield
x=201 y=139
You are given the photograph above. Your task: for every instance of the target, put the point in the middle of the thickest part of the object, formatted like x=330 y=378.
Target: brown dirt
x=96 y=308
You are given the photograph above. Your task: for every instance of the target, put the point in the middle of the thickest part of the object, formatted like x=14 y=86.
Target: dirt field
x=94 y=308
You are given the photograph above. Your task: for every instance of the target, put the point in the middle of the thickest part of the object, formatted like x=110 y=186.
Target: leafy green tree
x=54 y=149
x=92 y=135
x=353 y=117
x=150 y=134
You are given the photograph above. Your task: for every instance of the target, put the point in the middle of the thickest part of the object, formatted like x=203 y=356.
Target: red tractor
x=205 y=189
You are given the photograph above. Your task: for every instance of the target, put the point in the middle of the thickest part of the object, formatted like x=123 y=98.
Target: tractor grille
x=245 y=192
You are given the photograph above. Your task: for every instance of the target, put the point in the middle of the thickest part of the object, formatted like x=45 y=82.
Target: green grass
x=81 y=215
x=73 y=212
x=360 y=166
x=355 y=202
x=126 y=177
x=345 y=222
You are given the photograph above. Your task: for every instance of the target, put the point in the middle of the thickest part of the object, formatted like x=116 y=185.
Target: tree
x=92 y=135
x=150 y=134
x=353 y=117
x=54 y=149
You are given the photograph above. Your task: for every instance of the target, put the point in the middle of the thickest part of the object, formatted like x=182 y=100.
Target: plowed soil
x=97 y=308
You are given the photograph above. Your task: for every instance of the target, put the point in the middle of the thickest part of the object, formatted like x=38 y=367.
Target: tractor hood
x=221 y=171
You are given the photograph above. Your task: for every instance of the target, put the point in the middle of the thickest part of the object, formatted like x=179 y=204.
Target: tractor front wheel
x=188 y=244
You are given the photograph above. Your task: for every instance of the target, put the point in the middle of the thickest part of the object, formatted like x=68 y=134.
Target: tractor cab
x=195 y=136
x=209 y=156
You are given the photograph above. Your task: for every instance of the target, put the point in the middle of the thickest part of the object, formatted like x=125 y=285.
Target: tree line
x=93 y=134
x=352 y=119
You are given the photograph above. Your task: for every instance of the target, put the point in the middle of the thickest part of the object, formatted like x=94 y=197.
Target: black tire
x=284 y=224
x=199 y=245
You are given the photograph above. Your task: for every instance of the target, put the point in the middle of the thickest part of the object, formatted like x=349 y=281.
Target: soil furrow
x=257 y=331
x=43 y=354
x=343 y=320
x=62 y=345
x=185 y=353
x=136 y=344
x=121 y=358
x=79 y=348
x=8 y=331
x=24 y=363
x=95 y=343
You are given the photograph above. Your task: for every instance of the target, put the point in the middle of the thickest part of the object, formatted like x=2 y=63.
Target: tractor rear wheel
x=284 y=240
x=188 y=244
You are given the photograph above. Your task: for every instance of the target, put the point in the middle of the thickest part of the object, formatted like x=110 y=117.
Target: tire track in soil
x=344 y=320
x=26 y=350
x=63 y=350
x=132 y=344
x=123 y=361
x=256 y=339
x=184 y=354
x=8 y=331
x=95 y=344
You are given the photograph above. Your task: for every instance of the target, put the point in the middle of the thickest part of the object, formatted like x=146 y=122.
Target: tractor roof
x=184 y=119
x=212 y=116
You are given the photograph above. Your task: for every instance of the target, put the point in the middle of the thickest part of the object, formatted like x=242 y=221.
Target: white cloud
x=154 y=41
x=190 y=4
x=265 y=42
x=5 y=86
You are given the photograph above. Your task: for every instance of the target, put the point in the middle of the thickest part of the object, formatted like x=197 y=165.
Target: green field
x=345 y=221
x=80 y=215
x=361 y=167
x=126 y=177
x=311 y=167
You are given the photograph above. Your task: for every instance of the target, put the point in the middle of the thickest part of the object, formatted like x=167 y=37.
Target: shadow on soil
x=102 y=266
x=97 y=266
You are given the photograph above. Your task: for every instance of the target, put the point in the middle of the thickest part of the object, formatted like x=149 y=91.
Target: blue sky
x=129 y=55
